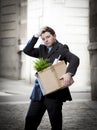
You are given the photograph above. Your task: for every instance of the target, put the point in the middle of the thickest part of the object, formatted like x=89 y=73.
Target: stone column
x=13 y=33
x=93 y=47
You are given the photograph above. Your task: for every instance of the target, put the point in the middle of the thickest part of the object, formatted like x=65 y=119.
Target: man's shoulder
x=42 y=47
x=63 y=46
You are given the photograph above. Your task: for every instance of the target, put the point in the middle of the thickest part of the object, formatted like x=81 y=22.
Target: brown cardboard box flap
x=49 y=78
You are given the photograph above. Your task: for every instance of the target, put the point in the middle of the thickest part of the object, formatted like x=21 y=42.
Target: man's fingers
x=67 y=81
x=61 y=78
x=72 y=81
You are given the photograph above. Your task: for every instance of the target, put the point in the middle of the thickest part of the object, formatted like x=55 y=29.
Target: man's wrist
x=70 y=74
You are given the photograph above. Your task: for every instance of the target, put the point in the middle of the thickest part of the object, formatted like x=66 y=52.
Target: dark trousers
x=37 y=110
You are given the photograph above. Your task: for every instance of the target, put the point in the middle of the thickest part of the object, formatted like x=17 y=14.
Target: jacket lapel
x=54 y=48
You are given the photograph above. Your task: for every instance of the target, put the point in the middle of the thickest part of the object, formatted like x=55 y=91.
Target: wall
x=9 y=39
x=69 y=18
x=12 y=32
x=22 y=35
x=93 y=47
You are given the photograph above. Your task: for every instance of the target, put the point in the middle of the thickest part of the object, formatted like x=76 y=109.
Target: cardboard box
x=49 y=78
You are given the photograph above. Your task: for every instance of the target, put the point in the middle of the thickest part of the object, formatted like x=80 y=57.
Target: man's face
x=48 y=39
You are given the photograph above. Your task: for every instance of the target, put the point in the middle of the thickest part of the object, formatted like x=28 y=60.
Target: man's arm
x=29 y=48
x=70 y=58
x=73 y=61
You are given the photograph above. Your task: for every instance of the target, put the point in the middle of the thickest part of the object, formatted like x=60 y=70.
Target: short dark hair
x=47 y=29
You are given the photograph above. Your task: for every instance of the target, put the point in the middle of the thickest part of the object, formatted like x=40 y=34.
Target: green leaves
x=41 y=64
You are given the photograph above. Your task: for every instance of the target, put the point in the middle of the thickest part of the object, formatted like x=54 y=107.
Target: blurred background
x=75 y=23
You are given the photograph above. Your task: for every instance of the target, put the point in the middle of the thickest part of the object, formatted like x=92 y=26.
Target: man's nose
x=46 y=40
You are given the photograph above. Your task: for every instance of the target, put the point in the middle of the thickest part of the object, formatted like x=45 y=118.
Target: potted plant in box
x=41 y=64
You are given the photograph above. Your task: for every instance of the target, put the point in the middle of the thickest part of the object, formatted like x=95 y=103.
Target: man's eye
x=43 y=39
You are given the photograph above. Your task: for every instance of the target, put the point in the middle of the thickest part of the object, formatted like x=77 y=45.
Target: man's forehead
x=45 y=34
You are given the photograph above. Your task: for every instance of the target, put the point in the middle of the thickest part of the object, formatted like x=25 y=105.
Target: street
x=80 y=114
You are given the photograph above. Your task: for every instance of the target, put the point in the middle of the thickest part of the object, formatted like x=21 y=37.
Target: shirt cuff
x=36 y=35
x=70 y=74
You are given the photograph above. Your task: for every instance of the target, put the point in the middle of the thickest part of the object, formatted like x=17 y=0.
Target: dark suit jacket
x=57 y=49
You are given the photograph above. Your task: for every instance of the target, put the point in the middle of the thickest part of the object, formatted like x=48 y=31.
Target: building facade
x=13 y=32
x=93 y=47
x=20 y=19
x=70 y=19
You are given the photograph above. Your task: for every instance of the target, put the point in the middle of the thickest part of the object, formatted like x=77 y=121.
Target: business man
x=51 y=49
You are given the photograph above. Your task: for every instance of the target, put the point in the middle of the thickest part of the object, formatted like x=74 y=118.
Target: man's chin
x=48 y=45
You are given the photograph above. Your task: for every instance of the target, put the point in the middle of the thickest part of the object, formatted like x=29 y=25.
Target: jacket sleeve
x=72 y=59
x=29 y=48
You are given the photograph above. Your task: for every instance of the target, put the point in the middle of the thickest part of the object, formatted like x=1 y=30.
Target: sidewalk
x=10 y=87
x=22 y=87
x=76 y=116
x=80 y=114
